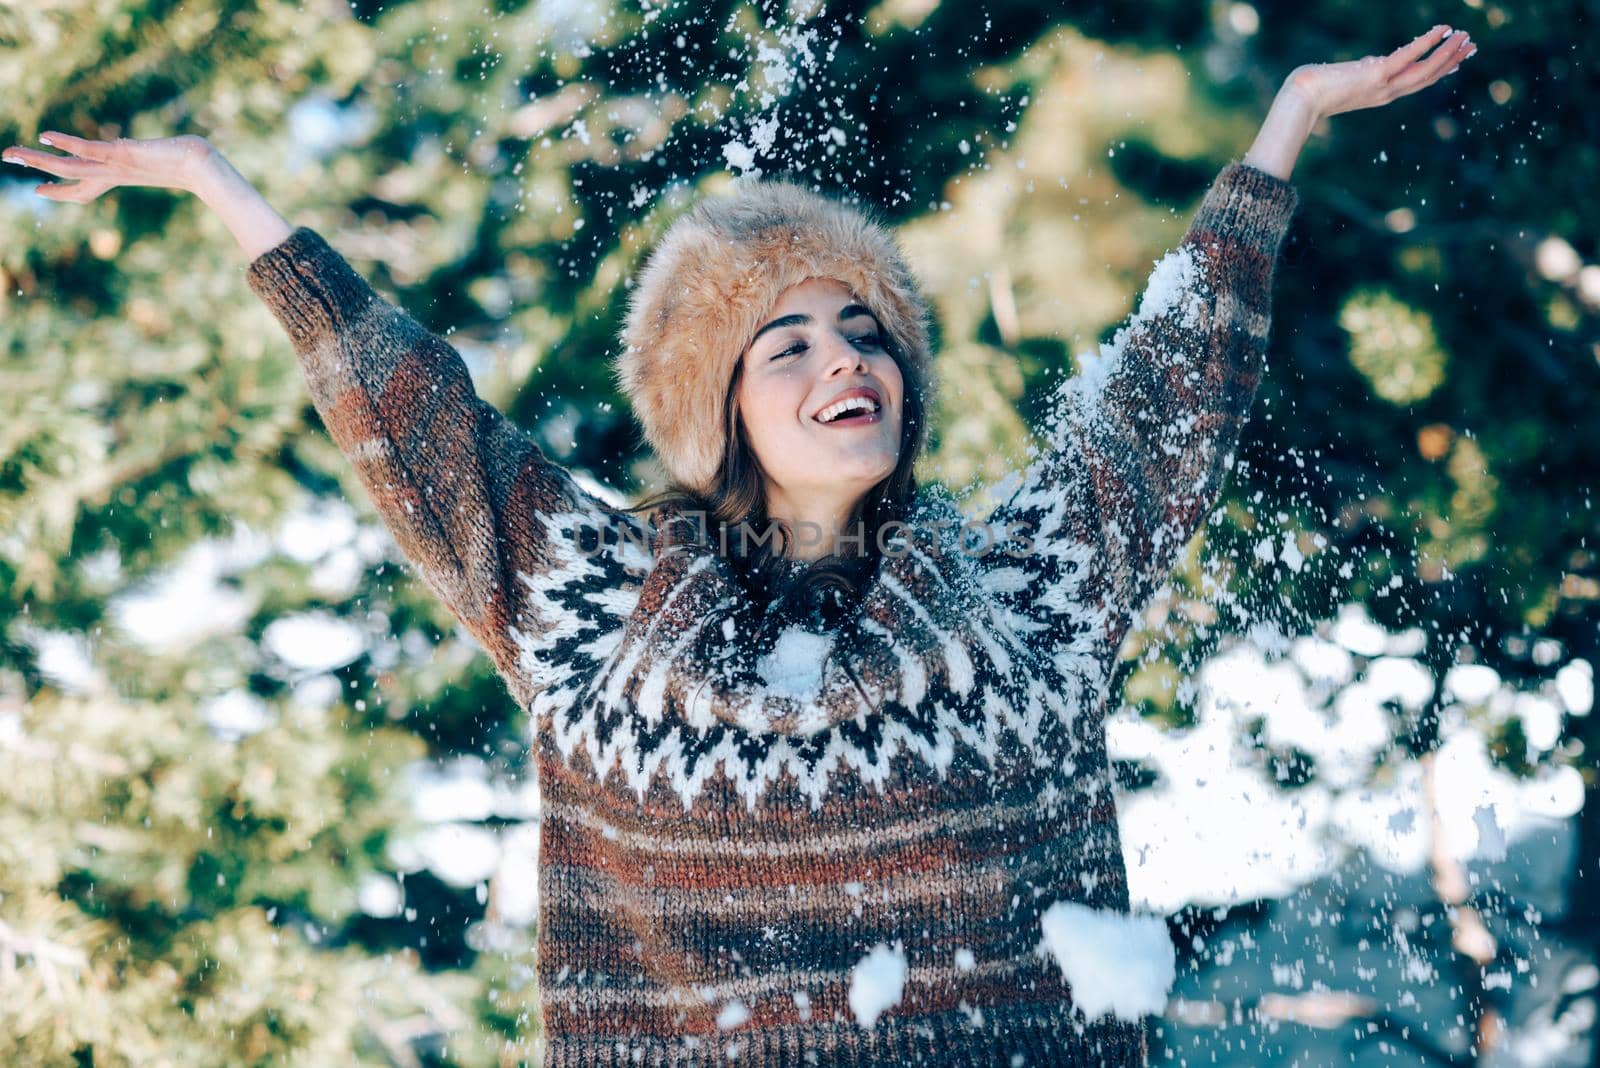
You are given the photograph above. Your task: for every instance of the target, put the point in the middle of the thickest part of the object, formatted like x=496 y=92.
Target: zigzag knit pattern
x=738 y=806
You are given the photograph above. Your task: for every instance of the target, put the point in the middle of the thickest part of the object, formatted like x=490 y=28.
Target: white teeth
x=833 y=411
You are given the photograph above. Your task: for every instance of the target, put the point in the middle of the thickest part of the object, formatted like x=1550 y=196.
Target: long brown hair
x=737 y=505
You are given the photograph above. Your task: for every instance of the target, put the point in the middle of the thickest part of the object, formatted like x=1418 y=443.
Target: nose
x=843 y=356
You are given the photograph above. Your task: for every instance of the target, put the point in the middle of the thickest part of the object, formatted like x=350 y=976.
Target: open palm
x=1372 y=81
x=162 y=162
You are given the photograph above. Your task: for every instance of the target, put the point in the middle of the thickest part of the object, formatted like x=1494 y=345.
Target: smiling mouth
x=855 y=418
x=857 y=411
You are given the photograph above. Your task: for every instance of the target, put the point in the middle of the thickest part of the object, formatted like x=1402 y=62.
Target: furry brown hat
x=710 y=284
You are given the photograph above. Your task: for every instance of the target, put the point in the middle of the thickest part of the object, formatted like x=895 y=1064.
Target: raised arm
x=490 y=523
x=1137 y=445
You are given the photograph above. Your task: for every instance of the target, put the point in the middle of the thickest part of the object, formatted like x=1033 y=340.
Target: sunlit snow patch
x=1113 y=961
x=236 y=713
x=185 y=603
x=1575 y=684
x=313 y=641
x=64 y=657
x=460 y=854
x=380 y=895
x=877 y=983
x=311 y=533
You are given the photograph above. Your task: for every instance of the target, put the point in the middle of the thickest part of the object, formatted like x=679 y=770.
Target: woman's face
x=820 y=346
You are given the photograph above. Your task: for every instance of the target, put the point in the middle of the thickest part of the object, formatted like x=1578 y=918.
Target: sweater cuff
x=1250 y=205
x=309 y=287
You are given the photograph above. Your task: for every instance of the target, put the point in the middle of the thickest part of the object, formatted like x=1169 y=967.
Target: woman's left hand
x=1372 y=81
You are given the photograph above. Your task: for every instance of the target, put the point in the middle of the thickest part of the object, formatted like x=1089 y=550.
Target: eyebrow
x=849 y=311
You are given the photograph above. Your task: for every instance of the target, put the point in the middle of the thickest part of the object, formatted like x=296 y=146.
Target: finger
x=78 y=146
x=60 y=166
x=1442 y=62
x=1450 y=51
x=73 y=192
x=1465 y=55
x=1408 y=54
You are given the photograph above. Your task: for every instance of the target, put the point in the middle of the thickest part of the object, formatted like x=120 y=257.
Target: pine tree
x=189 y=814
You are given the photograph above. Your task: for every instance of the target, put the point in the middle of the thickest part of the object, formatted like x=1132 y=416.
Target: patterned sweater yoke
x=745 y=812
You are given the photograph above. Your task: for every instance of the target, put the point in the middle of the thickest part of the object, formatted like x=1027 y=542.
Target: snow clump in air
x=1113 y=961
x=733 y=1014
x=877 y=983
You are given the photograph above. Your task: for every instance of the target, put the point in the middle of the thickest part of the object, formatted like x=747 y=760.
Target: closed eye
x=872 y=341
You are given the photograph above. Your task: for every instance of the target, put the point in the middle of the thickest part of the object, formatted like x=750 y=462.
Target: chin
x=867 y=476
x=864 y=466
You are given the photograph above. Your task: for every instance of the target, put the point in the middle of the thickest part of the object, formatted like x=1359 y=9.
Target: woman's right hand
x=162 y=162
x=186 y=163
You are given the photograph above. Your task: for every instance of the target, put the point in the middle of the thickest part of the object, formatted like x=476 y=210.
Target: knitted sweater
x=738 y=805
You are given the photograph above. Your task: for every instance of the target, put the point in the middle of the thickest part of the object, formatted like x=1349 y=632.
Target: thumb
x=79 y=192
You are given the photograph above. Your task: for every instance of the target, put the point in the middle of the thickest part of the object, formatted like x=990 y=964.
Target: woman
x=751 y=787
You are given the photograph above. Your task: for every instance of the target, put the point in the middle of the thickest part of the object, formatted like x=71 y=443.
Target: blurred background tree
x=261 y=799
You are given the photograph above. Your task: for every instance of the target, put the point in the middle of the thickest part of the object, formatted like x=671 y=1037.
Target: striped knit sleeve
x=1138 y=443
x=488 y=522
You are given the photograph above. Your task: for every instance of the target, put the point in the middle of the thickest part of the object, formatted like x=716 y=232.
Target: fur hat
x=710 y=284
